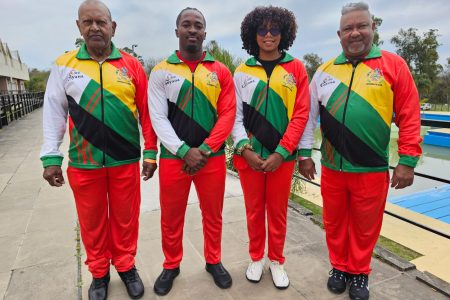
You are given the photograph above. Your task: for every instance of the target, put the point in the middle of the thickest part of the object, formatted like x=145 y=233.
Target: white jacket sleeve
x=307 y=139
x=55 y=115
x=159 y=112
x=238 y=133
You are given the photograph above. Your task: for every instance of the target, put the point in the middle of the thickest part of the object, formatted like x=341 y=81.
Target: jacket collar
x=173 y=59
x=374 y=52
x=252 y=61
x=84 y=54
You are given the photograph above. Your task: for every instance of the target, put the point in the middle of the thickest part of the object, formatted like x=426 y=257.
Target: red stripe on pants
x=107 y=201
x=353 y=207
x=266 y=192
x=174 y=187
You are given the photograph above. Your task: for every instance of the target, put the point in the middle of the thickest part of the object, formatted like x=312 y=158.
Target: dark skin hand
x=307 y=168
x=148 y=169
x=53 y=175
x=195 y=159
x=254 y=160
x=272 y=163
x=402 y=177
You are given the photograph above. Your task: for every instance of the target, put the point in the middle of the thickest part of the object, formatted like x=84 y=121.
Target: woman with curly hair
x=272 y=111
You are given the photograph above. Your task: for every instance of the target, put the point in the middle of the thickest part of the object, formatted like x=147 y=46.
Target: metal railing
x=15 y=106
x=434 y=123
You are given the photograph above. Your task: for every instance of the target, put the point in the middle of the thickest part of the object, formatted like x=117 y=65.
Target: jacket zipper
x=345 y=109
x=265 y=108
x=103 y=113
x=192 y=94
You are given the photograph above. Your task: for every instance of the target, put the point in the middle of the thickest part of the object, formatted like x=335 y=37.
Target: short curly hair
x=263 y=14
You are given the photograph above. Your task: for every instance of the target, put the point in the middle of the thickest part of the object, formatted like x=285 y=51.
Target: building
x=13 y=73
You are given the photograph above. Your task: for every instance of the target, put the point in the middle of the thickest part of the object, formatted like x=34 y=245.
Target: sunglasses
x=274 y=31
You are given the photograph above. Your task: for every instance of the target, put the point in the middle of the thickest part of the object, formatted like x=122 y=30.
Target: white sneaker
x=279 y=276
x=255 y=270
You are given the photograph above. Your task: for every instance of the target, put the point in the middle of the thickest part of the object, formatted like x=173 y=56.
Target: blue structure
x=438 y=138
x=434 y=203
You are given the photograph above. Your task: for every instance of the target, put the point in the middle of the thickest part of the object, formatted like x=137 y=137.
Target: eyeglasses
x=274 y=31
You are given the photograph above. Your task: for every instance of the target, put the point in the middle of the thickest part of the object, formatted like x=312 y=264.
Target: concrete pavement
x=38 y=246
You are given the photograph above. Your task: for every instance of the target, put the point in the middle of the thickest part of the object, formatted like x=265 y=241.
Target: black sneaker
x=164 y=282
x=337 y=282
x=359 y=287
x=99 y=288
x=221 y=276
x=133 y=282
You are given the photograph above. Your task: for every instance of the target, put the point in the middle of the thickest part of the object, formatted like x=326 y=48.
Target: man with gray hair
x=102 y=92
x=358 y=94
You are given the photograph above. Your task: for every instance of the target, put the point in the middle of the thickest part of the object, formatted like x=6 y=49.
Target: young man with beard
x=192 y=106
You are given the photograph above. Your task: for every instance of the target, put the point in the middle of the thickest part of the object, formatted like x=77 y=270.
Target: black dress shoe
x=133 y=282
x=163 y=283
x=99 y=288
x=221 y=276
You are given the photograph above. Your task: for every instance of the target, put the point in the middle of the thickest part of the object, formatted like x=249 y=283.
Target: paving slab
x=53 y=281
x=4 y=281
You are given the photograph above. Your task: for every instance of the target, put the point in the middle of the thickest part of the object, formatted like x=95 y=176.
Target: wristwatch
x=244 y=147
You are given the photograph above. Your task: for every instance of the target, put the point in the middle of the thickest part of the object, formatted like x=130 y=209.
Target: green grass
x=396 y=248
x=400 y=250
x=315 y=209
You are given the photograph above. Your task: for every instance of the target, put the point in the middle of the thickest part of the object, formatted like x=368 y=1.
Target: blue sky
x=42 y=30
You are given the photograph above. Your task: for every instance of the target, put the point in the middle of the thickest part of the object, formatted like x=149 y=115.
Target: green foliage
x=420 y=53
x=222 y=55
x=376 y=38
x=150 y=64
x=38 y=80
x=229 y=152
x=312 y=61
x=78 y=42
x=441 y=90
x=134 y=54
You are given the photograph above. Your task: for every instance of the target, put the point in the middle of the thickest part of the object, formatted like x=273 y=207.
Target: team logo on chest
x=123 y=76
x=375 y=77
x=212 y=79
x=289 y=81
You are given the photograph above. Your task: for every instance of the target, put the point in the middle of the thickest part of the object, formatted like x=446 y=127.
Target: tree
x=150 y=64
x=223 y=56
x=376 y=38
x=441 y=90
x=78 y=42
x=312 y=62
x=420 y=53
x=38 y=80
x=133 y=53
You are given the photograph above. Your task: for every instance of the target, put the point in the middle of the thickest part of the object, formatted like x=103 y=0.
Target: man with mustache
x=192 y=105
x=103 y=93
x=358 y=94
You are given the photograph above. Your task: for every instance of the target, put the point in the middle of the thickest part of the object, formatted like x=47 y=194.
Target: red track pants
x=266 y=192
x=107 y=202
x=353 y=207
x=174 y=191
